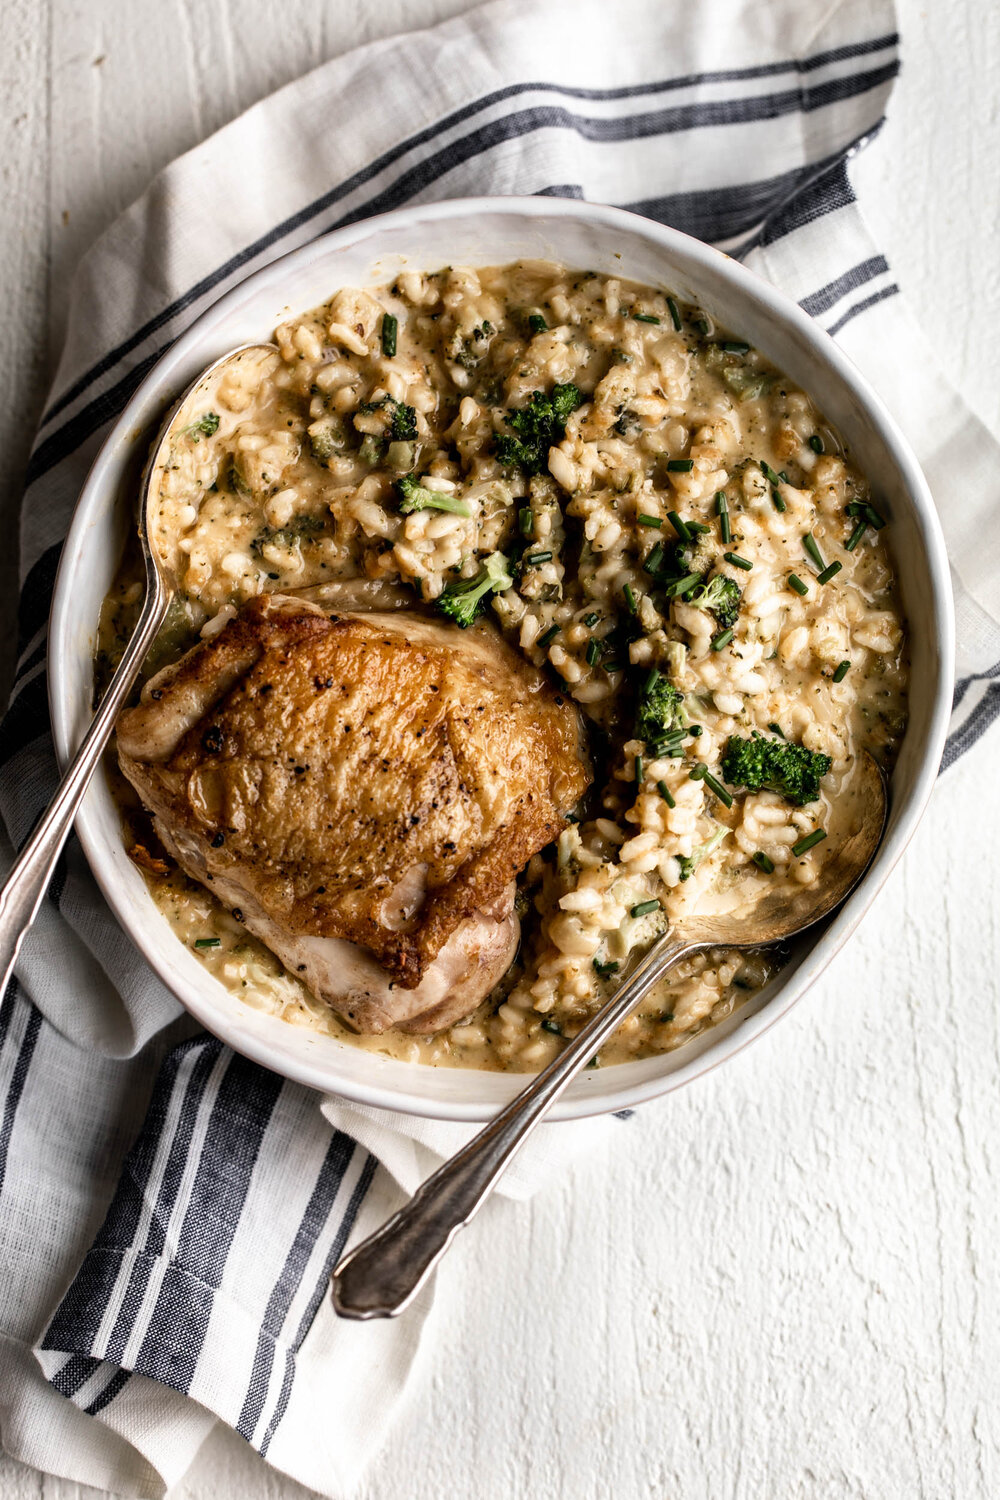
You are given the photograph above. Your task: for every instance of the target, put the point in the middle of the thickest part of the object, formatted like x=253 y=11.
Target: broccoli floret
x=413 y=496
x=207 y=425
x=690 y=862
x=402 y=424
x=297 y=530
x=696 y=556
x=690 y=561
x=761 y=764
x=462 y=601
x=659 y=708
x=326 y=437
x=537 y=426
x=469 y=352
x=722 y=596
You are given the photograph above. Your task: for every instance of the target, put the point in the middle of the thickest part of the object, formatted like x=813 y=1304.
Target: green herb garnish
x=809 y=842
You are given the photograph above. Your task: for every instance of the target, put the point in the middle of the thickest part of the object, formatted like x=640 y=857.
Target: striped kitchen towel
x=168 y=1211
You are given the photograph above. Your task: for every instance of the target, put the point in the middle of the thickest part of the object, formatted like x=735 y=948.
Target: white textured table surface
x=783 y=1281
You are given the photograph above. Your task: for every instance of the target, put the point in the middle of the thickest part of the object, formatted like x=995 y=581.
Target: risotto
x=687 y=549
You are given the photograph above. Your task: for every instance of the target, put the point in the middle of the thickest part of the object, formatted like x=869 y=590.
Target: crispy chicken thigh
x=364 y=789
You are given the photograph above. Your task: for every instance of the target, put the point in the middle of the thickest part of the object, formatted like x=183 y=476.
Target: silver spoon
x=29 y=878
x=383 y=1274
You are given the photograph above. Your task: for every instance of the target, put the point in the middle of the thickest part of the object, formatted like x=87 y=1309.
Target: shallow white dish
x=491 y=231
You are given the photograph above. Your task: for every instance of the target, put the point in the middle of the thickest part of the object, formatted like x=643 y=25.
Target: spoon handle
x=29 y=877
x=383 y=1275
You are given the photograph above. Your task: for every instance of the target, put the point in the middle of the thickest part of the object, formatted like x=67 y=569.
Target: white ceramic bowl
x=483 y=232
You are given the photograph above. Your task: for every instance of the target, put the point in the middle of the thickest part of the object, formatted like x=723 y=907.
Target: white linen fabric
x=169 y=1212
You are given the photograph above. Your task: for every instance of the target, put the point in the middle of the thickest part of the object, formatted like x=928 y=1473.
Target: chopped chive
x=811 y=547
x=697 y=526
x=828 y=573
x=549 y=1025
x=534 y=559
x=640 y=770
x=777 y=501
x=696 y=730
x=666 y=793
x=592 y=618
x=680 y=465
x=703 y=326
x=855 y=536
x=735 y=346
x=654 y=558
x=816 y=443
x=783 y=477
x=537 y=323
x=769 y=474
x=722 y=511
x=809 y=842
x=645 y=520
x=675 y=316
x=652 y=679
x=643 y=908
x=795 y=582
x=738 y=561
x=548 y=636
x=631 y=603
x=842 y=671
x=645 y=318
x=776 y=729
x=593 y=652
x=720 y=791
x=526 y=520
x=668 y=741
x=762 y=862
x=609 y=966
x=612 y=666
x=208 y=942
x=390 y=325
x=871 y=515
x=678 y=586
x=697 y=772
x=679 y=526
x=721 y=641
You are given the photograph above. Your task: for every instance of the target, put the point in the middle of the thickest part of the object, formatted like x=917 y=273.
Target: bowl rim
x=162 y=377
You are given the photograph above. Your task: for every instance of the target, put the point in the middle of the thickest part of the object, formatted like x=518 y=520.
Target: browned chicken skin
x=364 y=788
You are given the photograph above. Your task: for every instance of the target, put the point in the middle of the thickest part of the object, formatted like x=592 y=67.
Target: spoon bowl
x=383 y=1274
x=31 y=872
x=758 y=915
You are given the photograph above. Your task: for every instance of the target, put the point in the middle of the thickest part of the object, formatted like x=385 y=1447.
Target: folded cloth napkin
x=169 y=1212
